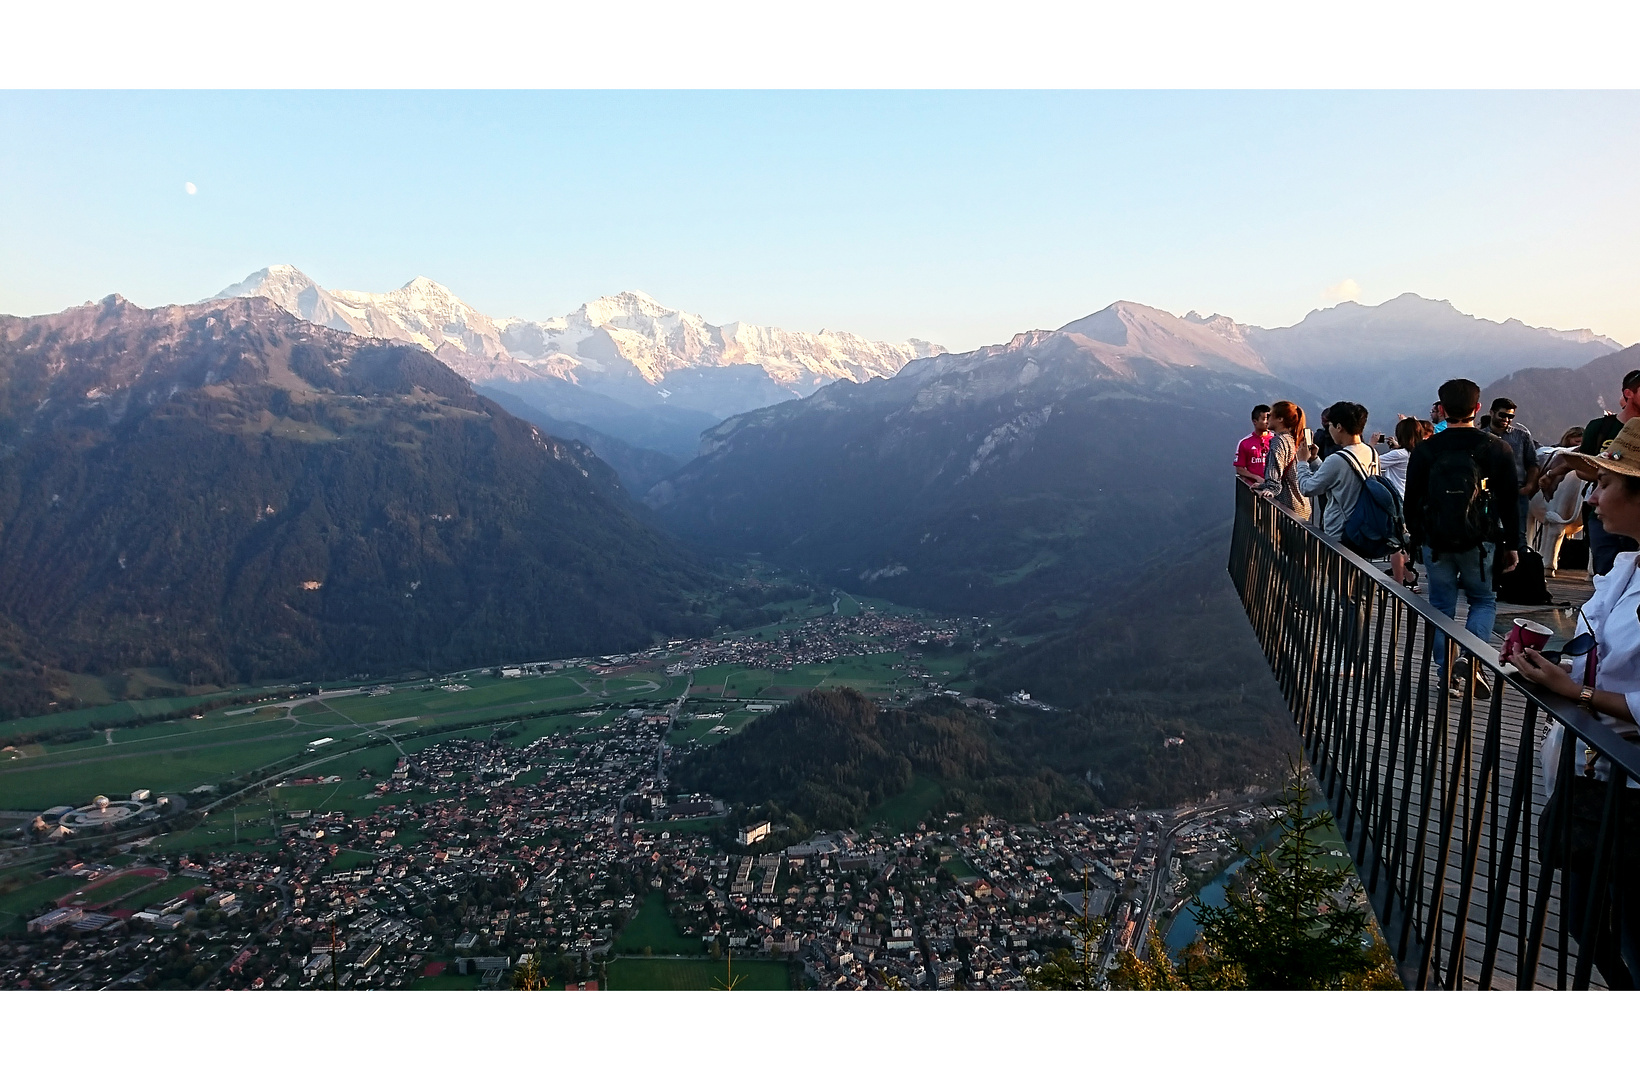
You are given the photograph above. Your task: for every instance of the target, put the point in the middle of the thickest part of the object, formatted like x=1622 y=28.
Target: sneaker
x=1460 y=676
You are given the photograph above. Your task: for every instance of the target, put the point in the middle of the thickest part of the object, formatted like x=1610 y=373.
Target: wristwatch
x=1585 y=696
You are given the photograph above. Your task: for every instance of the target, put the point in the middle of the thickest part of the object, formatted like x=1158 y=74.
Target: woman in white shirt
x=1392 y=466
x=1612 y=616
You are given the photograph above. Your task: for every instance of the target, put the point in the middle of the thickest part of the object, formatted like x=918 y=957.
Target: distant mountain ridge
x=1551 y=400
x=1016 y=474
x=1393 y=356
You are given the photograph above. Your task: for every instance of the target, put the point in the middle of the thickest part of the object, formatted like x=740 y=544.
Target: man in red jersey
x=1250 y=452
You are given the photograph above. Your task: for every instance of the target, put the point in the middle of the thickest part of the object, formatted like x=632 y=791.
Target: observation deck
x=1438 y=797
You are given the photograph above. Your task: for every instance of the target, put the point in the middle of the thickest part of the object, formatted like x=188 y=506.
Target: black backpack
x=1375 y=527
x=1524 y=584
x=1458 y=512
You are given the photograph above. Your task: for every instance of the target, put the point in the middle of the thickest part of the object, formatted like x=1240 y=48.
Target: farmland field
x=643 y=973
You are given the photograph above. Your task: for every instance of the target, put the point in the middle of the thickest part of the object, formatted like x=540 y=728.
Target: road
x=671 y=718
x=1148 y=911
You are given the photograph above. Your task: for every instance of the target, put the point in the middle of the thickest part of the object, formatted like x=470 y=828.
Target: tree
x=1291 y=923
x=1078 y=969
x=1294 y=924
x=529 y=976
x=1156 y=971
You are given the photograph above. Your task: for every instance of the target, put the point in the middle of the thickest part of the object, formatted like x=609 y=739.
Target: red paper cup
x=1532 y=635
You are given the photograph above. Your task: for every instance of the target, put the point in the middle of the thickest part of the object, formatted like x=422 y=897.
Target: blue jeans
x=1472 y=571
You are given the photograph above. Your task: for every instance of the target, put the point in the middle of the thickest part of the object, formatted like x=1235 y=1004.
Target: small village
x=479 y=854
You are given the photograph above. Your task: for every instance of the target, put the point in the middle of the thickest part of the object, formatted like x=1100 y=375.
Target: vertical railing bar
x=1497 y=899
x=1472 y=837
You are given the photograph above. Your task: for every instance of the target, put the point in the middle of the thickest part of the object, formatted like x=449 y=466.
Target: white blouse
x=1611 y=614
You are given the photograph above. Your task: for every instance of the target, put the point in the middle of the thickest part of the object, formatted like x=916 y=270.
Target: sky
x=957 y=217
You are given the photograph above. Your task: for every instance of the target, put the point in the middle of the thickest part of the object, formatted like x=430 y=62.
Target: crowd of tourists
x=1483 y=509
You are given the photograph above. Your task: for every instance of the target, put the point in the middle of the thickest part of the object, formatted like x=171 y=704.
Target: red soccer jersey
x=1250 y=453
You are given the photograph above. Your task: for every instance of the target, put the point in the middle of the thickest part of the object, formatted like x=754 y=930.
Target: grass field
x=641 y=973
x=105 y=714
x=653 y=928
x=19 y=905
x=701 y=730
x=904 y=811
x=871 y=674
x=177 y=755
x=446 y=982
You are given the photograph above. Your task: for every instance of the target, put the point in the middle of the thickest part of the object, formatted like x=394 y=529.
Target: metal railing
x=1441 y=798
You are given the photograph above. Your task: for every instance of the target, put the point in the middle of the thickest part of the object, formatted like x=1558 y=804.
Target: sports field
x=652 y=928
x=120 y=885
x=643 y=973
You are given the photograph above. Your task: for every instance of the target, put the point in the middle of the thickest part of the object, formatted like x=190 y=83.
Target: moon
x=189 y=188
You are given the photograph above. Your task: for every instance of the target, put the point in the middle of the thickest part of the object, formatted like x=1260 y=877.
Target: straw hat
x=1622 y=454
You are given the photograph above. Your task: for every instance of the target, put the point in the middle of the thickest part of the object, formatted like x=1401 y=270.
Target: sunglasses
x=1581 y=645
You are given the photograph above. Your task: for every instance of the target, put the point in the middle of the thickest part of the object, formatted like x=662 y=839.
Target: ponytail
x=1290 y=415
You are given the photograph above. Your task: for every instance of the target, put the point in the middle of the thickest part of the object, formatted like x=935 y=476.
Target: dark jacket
x=1497 y=463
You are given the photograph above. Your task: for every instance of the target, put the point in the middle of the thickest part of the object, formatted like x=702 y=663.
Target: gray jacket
x=1337 y=481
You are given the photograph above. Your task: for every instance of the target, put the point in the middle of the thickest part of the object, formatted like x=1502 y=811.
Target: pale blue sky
x=958 y=217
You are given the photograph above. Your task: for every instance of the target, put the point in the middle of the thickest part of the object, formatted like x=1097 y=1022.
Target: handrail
x=1418 y=782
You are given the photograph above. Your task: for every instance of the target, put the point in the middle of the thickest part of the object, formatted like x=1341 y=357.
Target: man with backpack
x=1462 y=511
x=1340 y=476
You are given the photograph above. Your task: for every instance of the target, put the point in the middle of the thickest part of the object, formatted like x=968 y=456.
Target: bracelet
x=1585 y=696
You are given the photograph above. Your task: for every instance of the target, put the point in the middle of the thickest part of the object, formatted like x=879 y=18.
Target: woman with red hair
x=1280 y=474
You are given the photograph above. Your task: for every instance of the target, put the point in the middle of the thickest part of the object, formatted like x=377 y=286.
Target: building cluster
x=825 y=638
x=478 y=853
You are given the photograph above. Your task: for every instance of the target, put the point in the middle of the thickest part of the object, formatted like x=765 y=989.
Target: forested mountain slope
x=227 y=491
x=1031 y=472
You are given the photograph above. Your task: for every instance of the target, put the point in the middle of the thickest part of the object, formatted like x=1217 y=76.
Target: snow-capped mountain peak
x=624 y=345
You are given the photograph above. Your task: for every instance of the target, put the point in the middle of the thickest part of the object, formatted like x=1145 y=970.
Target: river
x=1183 y=930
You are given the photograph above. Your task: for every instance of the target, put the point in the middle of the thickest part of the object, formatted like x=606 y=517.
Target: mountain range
x=641 y=382
x=1015 y=475
x=1551 y=400
x=1391 y=357
x=642 y=373
x=232 y=493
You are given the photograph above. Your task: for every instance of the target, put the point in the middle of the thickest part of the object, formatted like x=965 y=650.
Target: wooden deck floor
x=1458 y=779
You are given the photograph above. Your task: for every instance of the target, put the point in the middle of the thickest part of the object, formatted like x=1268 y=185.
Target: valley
x=623 y=641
